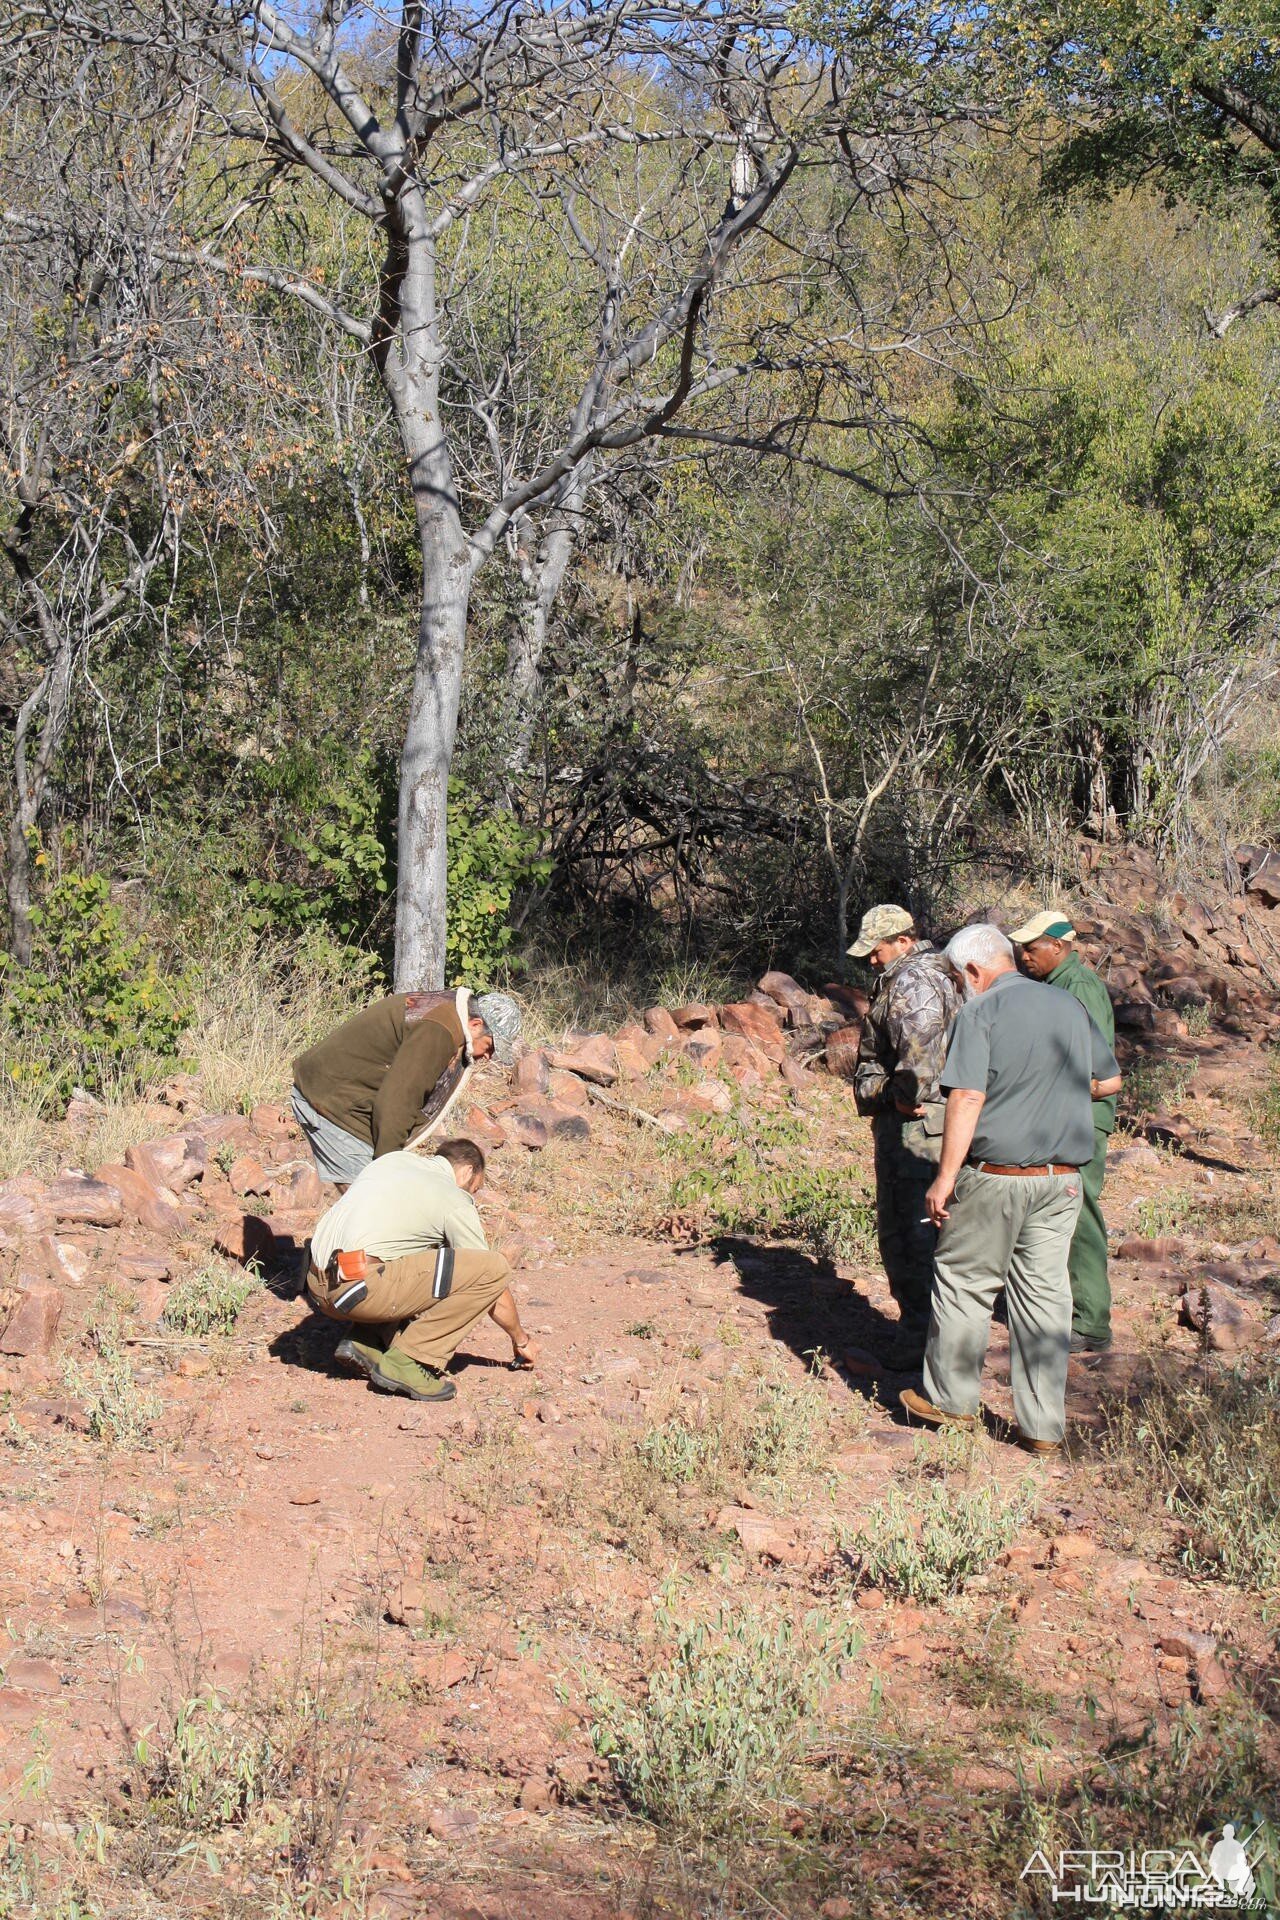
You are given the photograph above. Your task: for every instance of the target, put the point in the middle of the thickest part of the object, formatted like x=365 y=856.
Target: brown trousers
x=399 y=1300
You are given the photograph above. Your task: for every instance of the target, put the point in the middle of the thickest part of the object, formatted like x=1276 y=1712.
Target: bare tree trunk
x=528 y=644
x=31 y=774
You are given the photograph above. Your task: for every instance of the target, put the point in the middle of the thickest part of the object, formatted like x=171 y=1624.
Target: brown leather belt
x=1027 y=1173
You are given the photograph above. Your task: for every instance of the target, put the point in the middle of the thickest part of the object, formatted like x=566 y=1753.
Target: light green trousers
x=1005 y=1230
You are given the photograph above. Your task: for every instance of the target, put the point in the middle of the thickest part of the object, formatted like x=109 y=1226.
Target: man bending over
x=402 y=1257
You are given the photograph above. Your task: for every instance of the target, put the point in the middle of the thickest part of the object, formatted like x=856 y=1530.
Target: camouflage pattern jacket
x=904 y=1036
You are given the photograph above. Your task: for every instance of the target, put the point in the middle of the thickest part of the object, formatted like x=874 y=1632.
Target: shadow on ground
x=811 y=1306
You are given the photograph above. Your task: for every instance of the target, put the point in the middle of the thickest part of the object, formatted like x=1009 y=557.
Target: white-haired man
x=1024 y=1065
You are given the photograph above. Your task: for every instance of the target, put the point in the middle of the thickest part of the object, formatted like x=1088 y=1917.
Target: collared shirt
x=1032 y=1050
x=1084 y=985
x=401 y=1203
x=372 y=1076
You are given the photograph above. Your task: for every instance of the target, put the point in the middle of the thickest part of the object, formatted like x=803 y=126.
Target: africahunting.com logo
x=1225 y=1877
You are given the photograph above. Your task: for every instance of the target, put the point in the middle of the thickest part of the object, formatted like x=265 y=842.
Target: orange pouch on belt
x=351 y=1266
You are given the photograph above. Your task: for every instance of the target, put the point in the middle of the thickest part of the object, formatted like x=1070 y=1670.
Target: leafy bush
x=208 y=1300
x=93 y=1004
x=767 y=1427
x=491 y=856
x=725 y=1716
x=1207 y=1450
x=1163 y=1213
x=931 y=1544
x=216 y=1764
x=744 y=1174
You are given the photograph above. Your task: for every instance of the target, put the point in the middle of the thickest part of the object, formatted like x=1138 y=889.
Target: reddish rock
x=633 y=1063
x=135 y=1263
x=762 y=1029
x=759 y=1534
x=74 y=1197
x=1222 y=1317
x=853 y=1002
x=444 y=1670
x=247 y=1175
x=788 y=993
x=567 y=1090
x=591 y=1059
x=798 y=1078
x=842 y=1051
x=696 y=1014
x=659 y=1024
x=246 y=1238
x=527 y=1130
x=483 y=1129
x=450 y=1823
x=703 y=1047
x=24 y=1209
x=1157 y=1252
x=530 y=1073
x=305 y=1497
x=32 y=1327
x=297 y=1188
x=1185 y=1644
x=270 y=1121
x=559 y=1121
x=154 y=1208
x=707 y=1096
x=63 y=1261
x=535 y=1794
x=173 y=1162
x=33 y=1676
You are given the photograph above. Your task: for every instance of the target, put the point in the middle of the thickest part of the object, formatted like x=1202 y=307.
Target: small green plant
x=491 y=856
x=745 y=1173
x=724 y=1719
x=766 y=1426
x=1207 y=1450
x=208 y=1300
x=985 y=1678
x=216 y=1764
x=1154 y=1086
x=931 y=1544
x=93 y=1005
x=1160 y=1214
x=642 y=1329
x=1264 y=1111
x=1198 y=1019
x=116 y=1408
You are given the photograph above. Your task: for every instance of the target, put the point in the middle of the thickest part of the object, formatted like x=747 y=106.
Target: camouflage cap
x=880 y=923
x=1050 y=924
x=502 y=1017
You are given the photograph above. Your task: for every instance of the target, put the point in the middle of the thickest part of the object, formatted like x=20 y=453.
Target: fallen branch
x=620 y=1106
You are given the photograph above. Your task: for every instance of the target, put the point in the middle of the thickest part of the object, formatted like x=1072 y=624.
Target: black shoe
x=1088 y=1343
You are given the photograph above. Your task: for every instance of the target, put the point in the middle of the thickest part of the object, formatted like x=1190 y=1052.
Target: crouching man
x=402 y=1259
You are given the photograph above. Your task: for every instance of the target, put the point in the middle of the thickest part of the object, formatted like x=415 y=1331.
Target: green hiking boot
x=397 y=1373
x=359 y=1354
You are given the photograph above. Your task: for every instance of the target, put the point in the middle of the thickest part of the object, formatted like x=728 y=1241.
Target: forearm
x=958 y=1129
x=1103 y=1089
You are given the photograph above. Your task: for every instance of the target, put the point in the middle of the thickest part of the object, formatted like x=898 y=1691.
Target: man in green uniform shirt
x=1048 y=953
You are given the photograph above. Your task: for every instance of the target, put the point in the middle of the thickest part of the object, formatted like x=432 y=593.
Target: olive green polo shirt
x=1079 y=980
x=374 y=1074
x=1032 y=1050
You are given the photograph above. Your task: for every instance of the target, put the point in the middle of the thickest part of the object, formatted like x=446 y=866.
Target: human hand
x=937 y=1197
x=908 y=1113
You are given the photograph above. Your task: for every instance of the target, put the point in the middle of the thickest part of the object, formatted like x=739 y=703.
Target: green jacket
x=375 y=1075
x=1084 y=985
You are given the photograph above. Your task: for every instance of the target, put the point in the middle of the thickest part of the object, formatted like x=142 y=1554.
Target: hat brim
x=861 y=948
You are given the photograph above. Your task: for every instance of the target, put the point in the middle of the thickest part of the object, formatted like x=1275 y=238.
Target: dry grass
x=256 y=1010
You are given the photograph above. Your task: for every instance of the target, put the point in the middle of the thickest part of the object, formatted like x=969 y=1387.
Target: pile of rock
x=1162 y=952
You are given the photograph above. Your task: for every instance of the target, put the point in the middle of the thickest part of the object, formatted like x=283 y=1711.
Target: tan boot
x=919 y=1408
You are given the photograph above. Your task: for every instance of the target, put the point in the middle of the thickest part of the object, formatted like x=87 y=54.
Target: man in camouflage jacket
x=900 y=1057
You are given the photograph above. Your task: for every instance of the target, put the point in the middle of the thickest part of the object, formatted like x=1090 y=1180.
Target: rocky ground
x=275 y=1643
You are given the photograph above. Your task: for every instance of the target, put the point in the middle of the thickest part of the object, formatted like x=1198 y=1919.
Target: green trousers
x=1090 y=1287
x=1014 y=1231
x=906 y=1162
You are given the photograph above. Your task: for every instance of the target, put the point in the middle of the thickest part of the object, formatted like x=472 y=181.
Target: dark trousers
x=906 y=1166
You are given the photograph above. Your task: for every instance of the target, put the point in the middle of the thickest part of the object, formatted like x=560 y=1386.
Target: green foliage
x=1159 y=1214
x=93 y=1004
x=1208 y=1452
x=208 y=1300
x=767 y=1425
x=723 y=1719
x=491 y=856
x=930 y=1543
x=216 y=1765
x=117 y=1409
x=743 y=1173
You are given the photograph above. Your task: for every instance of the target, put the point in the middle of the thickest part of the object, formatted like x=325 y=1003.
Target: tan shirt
x=399 y=1204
